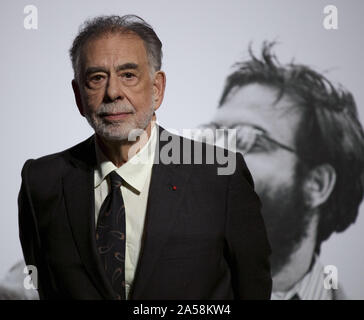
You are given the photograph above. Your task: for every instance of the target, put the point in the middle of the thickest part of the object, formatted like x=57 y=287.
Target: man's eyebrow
x=128 y=65
x=125 y=66
x=90 y=70
x=255 y=126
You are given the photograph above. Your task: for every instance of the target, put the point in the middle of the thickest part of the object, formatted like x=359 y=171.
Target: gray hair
x=97 y=26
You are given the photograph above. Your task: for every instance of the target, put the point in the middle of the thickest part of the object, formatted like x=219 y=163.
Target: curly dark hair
x=329 y=131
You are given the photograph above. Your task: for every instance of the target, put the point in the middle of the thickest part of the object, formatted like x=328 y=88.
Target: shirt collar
x=310 y=287
x=135 y=170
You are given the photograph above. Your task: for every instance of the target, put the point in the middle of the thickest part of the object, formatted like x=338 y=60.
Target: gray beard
x=120 y=131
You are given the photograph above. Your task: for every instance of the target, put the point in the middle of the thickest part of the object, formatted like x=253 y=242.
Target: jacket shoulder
x=48 y=169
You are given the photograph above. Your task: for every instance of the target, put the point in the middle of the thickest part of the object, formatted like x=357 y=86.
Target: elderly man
x=110 y=219
x=304 y=145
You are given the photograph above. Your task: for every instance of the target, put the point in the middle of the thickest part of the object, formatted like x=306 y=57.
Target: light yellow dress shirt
x=136 y=173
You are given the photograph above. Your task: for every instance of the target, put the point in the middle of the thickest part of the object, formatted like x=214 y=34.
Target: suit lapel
x=162 y=210
x=78 y=188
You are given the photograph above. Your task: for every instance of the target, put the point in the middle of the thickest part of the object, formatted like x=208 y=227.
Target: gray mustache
x=114 y=108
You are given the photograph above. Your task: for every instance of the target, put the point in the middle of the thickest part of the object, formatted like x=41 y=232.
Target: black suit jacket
x=204 y=240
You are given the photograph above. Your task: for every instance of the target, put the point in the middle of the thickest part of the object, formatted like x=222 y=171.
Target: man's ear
x=159 y=86
x=319 y=184
x=77 y=93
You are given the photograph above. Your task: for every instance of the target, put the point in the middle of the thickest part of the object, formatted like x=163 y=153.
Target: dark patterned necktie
x=110 y=236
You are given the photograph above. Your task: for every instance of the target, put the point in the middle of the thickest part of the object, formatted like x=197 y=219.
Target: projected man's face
x=275 y=166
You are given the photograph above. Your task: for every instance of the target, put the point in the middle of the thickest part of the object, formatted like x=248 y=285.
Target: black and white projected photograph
x=116 y=184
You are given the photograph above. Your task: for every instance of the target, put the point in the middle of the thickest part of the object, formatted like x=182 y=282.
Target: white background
x=201 y=40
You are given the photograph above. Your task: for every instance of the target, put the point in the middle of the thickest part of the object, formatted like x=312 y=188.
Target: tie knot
x=115 y=180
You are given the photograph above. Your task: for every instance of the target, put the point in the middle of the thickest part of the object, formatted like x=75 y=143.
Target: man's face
x=276 y=171
x=117 y=87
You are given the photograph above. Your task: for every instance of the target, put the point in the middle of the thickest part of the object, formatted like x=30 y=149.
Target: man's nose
x=114 y=89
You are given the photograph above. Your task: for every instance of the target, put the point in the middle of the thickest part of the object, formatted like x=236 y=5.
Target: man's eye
x=128 y=75
x=97 y=78
x=258 y=145
x=262 y=144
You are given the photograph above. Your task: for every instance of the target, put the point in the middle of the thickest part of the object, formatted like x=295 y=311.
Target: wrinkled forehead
x=111 y=46
x=259 y=105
